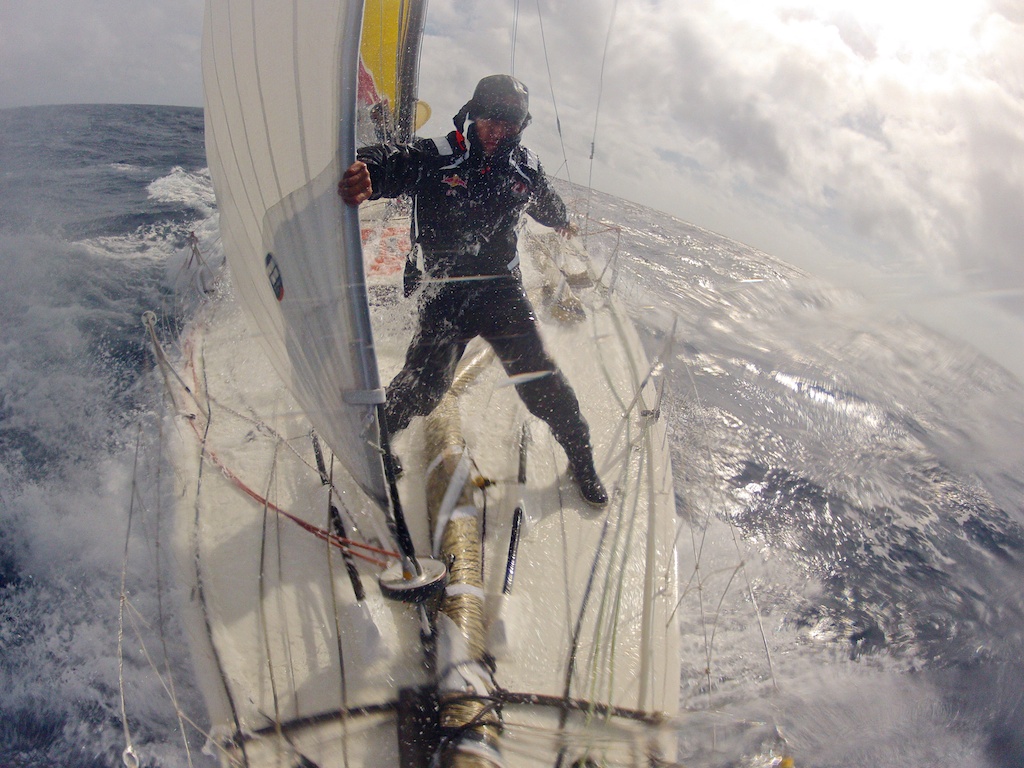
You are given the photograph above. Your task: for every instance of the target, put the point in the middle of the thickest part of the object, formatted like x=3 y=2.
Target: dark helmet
x=498 y=97
x=501 y=97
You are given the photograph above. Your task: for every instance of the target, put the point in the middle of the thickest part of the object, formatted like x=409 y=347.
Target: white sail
x=280 y=98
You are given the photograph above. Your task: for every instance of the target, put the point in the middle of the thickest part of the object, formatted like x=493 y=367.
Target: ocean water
x=850 y=483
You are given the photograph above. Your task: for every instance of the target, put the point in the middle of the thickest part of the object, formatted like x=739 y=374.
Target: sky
x=880 y=141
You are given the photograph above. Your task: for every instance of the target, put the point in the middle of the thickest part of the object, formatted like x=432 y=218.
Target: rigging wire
x=199 y=576
x=161 y=619
x=597 y=109
x=740 y=567
x=137 y=622
x=346 y=545
x=551 y=87
x=167 y=370
x=360 y=597
x=515 y=36
x=129 y=756
x=709 y=619
x=262 y=585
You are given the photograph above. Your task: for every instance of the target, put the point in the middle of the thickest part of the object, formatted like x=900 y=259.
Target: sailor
x=469 y=190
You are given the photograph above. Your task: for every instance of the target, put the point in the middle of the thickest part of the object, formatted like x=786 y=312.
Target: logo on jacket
x=519 y=188
x=454 y=181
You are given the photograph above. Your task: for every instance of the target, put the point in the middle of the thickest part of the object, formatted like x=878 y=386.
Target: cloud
x=894 y=153
x=117 y=51
x=870 y=130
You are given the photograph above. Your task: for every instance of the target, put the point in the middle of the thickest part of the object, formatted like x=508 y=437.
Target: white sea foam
x=192 y=189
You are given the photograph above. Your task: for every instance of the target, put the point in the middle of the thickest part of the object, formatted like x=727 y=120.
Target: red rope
x=344 y=544
x=606 y=228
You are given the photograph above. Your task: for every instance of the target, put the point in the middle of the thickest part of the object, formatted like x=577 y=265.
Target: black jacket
x=466 y=206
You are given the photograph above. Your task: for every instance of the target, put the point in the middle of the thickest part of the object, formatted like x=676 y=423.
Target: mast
x=414 y=13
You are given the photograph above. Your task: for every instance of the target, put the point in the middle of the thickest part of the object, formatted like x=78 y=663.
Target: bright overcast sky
x=885 y=132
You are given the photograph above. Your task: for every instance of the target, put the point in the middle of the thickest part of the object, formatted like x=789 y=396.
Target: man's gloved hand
x=411 y=278
x=355 y=185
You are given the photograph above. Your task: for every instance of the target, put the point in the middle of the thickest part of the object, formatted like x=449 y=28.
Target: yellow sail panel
x=379 y=52
x=389 y=66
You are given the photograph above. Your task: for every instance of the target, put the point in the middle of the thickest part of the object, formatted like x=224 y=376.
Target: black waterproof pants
x=451 y=314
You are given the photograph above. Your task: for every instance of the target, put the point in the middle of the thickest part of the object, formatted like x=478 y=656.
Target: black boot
x=574 y=437
x=581 y=465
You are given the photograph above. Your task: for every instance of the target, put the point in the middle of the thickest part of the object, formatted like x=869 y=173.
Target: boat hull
x=581 y=650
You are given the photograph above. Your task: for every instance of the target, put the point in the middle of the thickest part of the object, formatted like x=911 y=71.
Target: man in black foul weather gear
x=469 y=189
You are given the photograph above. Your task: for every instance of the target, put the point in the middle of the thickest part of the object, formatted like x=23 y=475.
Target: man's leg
x=549 y=397
x=419 y=386
x=429 y=368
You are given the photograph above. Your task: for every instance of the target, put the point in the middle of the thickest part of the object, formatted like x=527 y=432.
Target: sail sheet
x=280 y=83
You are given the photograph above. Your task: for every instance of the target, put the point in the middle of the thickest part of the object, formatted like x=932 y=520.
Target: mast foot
x=419 y=588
